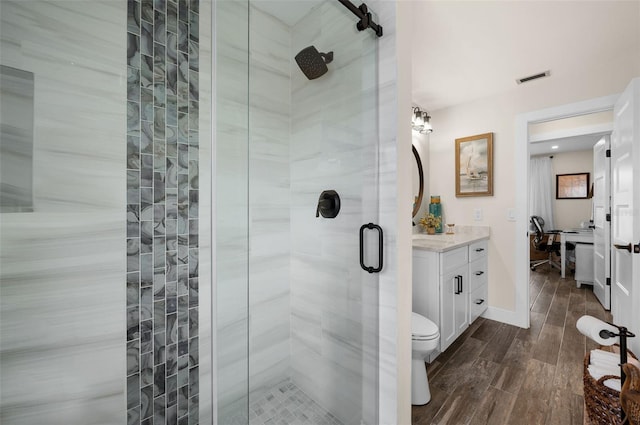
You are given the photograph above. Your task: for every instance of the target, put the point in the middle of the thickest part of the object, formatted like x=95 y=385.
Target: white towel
x=613 y=383
x=599 y=372
x=606 y=364
x=603 y=363
x=601 y=357
x=604 y=355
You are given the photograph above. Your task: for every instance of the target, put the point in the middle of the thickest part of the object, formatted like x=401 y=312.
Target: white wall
x=569 y=213
x=497 y=114
x=570 y=124
x=396 y=202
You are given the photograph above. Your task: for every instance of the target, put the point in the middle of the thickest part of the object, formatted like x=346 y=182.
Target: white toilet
x=424 y=339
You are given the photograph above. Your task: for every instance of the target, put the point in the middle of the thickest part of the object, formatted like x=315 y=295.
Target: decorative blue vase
x=435 y=208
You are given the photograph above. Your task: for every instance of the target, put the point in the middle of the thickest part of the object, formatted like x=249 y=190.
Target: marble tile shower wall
x=62 y=268
x=254 y=192
x=333 y=306
x=231 y=150
x=269 y=201
x=326 y=304
x=162 y=212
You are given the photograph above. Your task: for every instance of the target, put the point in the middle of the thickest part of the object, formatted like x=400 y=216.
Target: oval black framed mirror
x=418 y=182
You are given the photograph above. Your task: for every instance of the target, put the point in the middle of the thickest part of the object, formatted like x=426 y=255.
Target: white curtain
x=541 y=193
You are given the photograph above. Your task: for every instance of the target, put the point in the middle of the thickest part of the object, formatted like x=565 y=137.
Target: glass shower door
x=311 y=311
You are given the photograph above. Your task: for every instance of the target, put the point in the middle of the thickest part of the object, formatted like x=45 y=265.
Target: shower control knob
x=328 y=204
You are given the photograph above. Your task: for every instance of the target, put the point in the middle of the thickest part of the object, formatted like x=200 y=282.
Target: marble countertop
x=441 y=242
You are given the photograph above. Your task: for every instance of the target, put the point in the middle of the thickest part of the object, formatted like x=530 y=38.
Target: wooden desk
x=575 y=236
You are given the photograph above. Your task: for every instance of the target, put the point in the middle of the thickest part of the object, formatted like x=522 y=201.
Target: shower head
x=313 y=63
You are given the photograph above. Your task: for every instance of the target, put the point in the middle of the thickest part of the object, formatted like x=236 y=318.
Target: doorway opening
x=524 y=137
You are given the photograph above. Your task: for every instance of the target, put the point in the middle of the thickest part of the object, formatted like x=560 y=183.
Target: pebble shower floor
x=286 y=404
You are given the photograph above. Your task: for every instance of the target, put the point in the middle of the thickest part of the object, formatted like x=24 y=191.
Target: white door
x=625 y=226
x=602 y=226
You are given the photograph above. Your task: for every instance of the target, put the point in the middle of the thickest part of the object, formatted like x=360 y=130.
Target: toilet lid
x=422 y=327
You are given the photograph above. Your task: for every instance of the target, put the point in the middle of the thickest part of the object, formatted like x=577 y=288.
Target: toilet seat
x=424 y=338
x=422 y=329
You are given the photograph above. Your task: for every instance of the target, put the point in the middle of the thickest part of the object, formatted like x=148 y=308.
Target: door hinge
x=608 y=281
x=608 y=217
x=608 y=153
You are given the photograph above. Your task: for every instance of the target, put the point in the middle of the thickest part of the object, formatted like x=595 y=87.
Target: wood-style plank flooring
x=500 y=374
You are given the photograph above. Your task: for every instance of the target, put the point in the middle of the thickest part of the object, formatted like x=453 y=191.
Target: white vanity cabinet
x=478 y=290
x=450 y=287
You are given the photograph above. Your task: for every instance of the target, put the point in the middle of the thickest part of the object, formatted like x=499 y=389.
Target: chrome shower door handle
x=380 y=248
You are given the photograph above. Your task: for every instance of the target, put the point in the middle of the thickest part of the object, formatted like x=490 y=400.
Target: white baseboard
x=505 y=316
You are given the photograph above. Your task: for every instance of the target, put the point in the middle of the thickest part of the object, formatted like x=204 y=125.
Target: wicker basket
x=601 y=402
x=629 y=394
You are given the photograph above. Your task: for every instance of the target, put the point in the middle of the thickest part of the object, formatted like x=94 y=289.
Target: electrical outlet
x=511 y=214
x=477 y=214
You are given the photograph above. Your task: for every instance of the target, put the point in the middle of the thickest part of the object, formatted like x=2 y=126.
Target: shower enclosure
x=297 y=289
x=110 y=280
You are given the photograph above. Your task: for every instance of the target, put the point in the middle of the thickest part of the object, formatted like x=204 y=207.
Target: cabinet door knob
x=479 y=249
x=627 y=247
x=480 y=273
x=479 y=301
x=630 y=247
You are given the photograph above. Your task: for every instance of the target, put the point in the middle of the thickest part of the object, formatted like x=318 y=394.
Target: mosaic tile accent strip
x=162 y=212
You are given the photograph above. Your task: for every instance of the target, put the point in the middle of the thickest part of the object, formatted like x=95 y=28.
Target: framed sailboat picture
x=474 y=165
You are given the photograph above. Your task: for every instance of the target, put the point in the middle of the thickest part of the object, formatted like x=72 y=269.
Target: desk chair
x=550 y=246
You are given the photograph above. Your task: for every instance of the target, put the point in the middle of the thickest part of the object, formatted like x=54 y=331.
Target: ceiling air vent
x=533 y=77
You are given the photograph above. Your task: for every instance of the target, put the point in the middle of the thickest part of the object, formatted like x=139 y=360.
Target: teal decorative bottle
x=435 y=208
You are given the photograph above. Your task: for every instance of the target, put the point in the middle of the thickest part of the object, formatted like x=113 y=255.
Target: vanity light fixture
x=420 y=120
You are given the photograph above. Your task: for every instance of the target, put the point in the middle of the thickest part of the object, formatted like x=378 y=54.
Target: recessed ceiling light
x=555 y=147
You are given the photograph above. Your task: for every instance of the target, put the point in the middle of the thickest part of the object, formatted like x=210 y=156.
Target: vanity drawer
x=477 y=273
x=454 y=258
x=477 y=302
x=478 y=250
